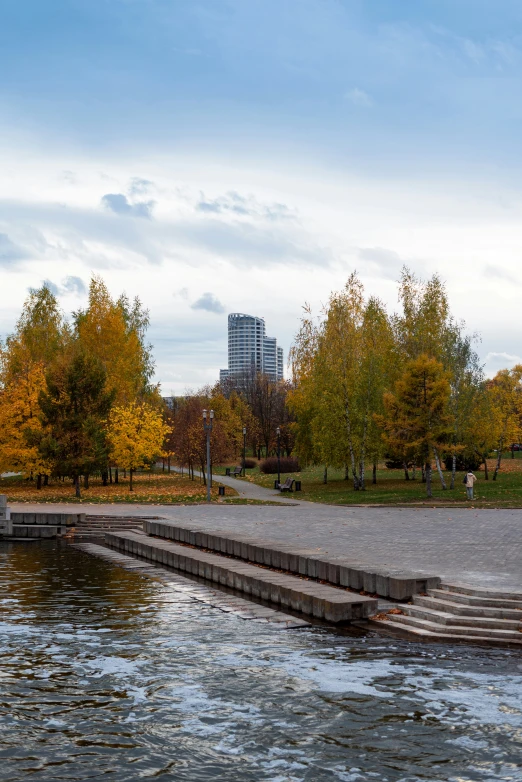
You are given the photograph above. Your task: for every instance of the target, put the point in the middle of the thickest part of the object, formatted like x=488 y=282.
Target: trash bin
x=221 y=490
x=227 y=471
x=276 y=484
x=298 y=485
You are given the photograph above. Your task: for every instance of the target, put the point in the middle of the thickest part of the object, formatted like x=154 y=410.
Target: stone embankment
x=338 y=571
x=318 y=600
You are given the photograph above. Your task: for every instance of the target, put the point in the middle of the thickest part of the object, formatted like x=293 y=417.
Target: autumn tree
x=341 y=366
x=74 y=408
x=136 y=434
x=506 y=396
x=39 y=336
x=416 y=414
x=114 y=331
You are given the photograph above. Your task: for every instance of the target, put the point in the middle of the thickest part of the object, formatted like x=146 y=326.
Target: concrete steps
x=475 y=600
x=448 y=606
x=92 y=527
x=328 y=603
x=352 y=574
x=461 y=613
x=444 y=618
x=468 y=630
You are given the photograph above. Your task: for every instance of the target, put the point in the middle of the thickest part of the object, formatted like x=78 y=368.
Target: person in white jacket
x=470 y=481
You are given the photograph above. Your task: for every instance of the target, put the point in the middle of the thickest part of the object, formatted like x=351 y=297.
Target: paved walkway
x=249 y=490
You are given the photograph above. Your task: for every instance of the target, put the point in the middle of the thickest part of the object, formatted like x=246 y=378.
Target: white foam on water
x=112 y=666
x=52 y=723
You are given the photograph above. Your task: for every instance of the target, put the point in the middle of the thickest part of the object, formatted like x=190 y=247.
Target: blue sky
x=191 y=147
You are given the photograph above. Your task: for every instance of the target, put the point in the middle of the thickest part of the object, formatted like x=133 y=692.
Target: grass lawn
x=393 y=489
x=153 y=487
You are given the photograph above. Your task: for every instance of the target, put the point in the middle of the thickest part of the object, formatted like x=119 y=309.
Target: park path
x=248 y=490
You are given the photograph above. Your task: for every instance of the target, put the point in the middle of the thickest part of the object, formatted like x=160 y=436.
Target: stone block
x=337 y=612
x=312 y=567
x=356 y=577
x=237 y=549
x=322 y=570
x=402 y=586
x=333 y=572
x=317 y=607
x=244 y=549
x=275 y=556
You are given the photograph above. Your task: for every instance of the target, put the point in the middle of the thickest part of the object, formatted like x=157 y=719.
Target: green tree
x=74 y=409
x=417 y=415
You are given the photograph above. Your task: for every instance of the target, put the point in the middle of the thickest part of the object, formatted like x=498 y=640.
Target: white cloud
x=359 y=97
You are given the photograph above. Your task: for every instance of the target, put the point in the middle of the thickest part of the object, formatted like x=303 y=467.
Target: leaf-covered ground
x=153 y=487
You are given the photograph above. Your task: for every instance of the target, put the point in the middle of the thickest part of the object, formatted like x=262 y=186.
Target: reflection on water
x=107 y=674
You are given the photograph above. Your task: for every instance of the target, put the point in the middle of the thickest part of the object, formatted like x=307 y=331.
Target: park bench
x=287 y=485
x=237 y=471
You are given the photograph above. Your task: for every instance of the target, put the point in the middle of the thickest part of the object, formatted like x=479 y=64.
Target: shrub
x=288 y=464
x=465 y=462
x=248 y=463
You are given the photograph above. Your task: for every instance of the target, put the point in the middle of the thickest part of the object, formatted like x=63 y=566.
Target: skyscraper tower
x=250 y=350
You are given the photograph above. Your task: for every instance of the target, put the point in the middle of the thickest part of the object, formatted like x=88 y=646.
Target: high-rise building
x=250 y=350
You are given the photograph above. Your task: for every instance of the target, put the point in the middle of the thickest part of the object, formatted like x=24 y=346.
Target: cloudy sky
x=214 y=156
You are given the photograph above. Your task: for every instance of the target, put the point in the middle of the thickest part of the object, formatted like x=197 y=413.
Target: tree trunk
x=406 y=471
x=131 y=488
x=110 y=474
x=346 y=472
x=163 y=466
x=46 y=480
x=453 y=470
x=104 y=477
x=414 y=472
x=374 y=473
x=77 y=486
x=439 y=469
x=168 y=463
x=486 y=471
x=499 y=459
x=423 y=470
x=116 y=476
x=86 y=481
x=512 y=452
x=39 y=481
x=325 y=474
x=427 y=470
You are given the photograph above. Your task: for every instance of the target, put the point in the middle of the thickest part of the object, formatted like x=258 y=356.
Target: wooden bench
x=237 y=471
x=287 y=485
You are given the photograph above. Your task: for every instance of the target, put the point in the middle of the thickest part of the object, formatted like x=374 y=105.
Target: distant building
x=250 y=350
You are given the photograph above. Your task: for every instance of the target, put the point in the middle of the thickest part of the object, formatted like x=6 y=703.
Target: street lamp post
x=278 y=432
x=244 y=451
x=207 y=428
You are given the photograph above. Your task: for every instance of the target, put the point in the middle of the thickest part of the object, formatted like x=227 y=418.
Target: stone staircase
x=93 y=527
x=457 y=612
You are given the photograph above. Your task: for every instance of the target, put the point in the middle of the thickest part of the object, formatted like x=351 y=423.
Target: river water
x=106 y=674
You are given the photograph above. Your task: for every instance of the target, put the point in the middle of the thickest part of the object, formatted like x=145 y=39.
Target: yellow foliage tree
x=113 y=331
x=39 y=336
x=20 y=425
x=136 y=434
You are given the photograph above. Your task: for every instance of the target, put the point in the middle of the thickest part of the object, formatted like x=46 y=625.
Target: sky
x=216 y=156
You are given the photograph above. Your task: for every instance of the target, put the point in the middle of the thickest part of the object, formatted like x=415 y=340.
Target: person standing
x=470 y=481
